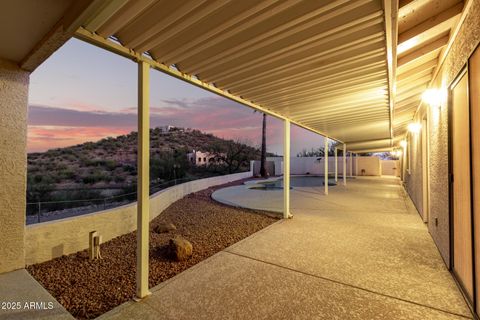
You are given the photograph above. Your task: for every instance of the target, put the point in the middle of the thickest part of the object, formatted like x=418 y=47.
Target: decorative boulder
x=165 y=227
x=180 y=248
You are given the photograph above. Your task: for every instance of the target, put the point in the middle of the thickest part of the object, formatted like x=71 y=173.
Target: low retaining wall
x=390 y=167
x=269 y=165
x=368 y=166
x=311 y=165
x=48 y=240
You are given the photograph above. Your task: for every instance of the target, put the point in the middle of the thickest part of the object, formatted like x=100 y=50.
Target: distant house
x=167 y=129
x=199 y=158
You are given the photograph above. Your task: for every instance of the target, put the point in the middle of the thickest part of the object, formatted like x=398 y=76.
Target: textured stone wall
x=414 y=176
x=438 y=223
x=48 y=240
x=464 y=44
x=13 y=165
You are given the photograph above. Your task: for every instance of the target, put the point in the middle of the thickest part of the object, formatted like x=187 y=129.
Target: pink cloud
x=41 y=138
x=53 y=127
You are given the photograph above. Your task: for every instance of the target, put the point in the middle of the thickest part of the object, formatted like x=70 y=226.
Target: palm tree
x=263 y=157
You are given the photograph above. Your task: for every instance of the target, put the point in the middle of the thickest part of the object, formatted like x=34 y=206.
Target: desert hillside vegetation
x=108 y=166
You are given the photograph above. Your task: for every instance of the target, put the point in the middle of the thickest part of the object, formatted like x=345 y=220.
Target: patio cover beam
x=391 y=30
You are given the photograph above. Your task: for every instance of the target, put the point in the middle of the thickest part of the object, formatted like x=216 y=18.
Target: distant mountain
x=110 y=163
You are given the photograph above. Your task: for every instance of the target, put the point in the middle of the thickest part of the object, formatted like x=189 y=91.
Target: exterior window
x=199 y=159
x=205 y=159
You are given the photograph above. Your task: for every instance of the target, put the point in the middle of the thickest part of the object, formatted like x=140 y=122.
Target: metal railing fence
x=42 y=211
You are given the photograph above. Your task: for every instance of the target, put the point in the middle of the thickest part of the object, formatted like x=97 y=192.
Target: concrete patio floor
x=361 y=252
x=22 y=297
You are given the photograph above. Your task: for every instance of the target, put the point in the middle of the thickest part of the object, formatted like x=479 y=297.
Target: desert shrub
x=111 y=164
x=70 y=157
x=88 y=179
x=67 y=174
x=130 y=168
x=169 y=165
x=85 y=162
x=32 y=169
x=61 y=166
x=95 y=177
x=119 y=179
x=39 y=187
x=89 y=146
x=53 y=153
x=43 y=178
x=51 y=166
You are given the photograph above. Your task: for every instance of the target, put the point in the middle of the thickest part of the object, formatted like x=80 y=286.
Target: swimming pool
x=295 y=181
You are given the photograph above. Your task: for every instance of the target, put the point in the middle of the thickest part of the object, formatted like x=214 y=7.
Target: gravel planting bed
x=88 y=289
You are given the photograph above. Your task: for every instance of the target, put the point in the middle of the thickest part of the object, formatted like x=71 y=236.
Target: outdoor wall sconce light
x=433 y=97
x=414 y=127
x=403 y=144
x=397 y=153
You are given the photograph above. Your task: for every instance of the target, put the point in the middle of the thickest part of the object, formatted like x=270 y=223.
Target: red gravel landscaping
x=88 y=289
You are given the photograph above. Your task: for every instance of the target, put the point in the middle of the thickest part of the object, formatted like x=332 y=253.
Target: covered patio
x=362 y=254
x=350 y=71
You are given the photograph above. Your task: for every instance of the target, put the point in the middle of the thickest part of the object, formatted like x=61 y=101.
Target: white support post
x=286 y=170
x=356 y=165
x=336 y=164
x=344 y=164
x=351 y=164
x=143 y=184
x=326 y=165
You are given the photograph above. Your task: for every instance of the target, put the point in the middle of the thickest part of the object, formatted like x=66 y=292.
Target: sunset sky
x=83 y=93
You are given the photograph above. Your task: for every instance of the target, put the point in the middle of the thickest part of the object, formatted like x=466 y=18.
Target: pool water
x=299 y=181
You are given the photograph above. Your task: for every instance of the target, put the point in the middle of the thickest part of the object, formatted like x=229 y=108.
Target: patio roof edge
x=94 y=39
x=391 y=31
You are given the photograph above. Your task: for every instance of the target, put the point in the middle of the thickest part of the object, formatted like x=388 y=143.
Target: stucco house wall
x=13 y=164
x=414 y=170
x=466 y=41
x=199 y=158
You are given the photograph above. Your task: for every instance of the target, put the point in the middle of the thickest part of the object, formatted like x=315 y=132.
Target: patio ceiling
x=332 y=67
x=424 y=27
x=322 y=64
